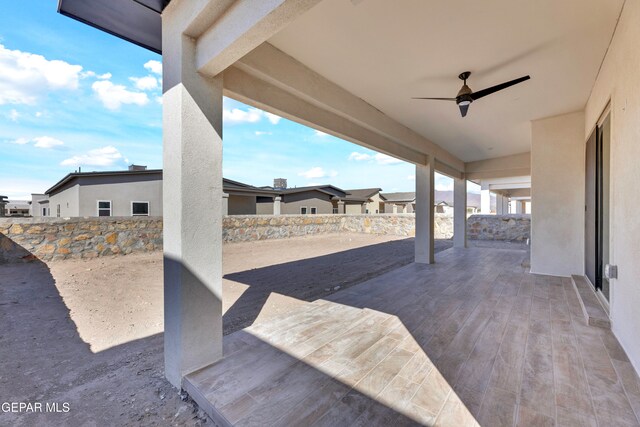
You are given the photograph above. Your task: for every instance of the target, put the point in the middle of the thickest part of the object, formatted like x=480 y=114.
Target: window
x=104 y=207
x=335 y=210
x=58 y=211
x=140 y=208
x=44 y=211
x=303 y=210
x=366 y=211
x=314 y=211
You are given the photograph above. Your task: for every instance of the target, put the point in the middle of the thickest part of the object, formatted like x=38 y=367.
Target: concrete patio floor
x=474 y=339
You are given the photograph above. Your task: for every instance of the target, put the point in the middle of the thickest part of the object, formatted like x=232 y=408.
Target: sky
x=74 y=97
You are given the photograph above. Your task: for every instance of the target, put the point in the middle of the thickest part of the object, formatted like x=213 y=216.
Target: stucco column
x=276 y=205
x=341 y=207
x=225 y=204
x=425 y=183
x=519 y=206
x=460 y=213
x=500 y=204
x=485 y=199
x=192 y=194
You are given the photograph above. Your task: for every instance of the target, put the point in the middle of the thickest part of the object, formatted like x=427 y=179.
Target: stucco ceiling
x=386 y=52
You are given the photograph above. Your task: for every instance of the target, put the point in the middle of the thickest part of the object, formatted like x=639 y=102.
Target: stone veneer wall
x=516 y=228
x=247 y=228
x=59 y=238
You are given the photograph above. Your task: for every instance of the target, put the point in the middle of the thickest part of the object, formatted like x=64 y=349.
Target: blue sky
x=72 y=96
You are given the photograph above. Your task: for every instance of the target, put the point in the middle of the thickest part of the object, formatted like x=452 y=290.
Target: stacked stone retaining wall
x=514 y=228
x=60 y=238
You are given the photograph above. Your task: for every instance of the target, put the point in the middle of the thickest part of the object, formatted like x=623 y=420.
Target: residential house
x=133 y=192
x=3 y=203
x=17 y=208
x=39 y=205
x=404 y=202
x=364 y=200
x=311 y=200
x=245 y=199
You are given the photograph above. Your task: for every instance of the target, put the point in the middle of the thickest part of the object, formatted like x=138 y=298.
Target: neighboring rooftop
x=75 y=175
x=407 y=196
x=362 y=193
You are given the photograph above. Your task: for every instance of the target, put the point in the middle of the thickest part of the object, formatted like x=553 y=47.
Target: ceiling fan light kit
x=466 y=96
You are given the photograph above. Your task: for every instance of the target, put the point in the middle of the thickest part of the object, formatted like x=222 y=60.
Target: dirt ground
x=89 y=332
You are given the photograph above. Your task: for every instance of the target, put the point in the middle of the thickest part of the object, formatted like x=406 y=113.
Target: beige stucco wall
x=68 y=199
x=374 y=205
x=121 y=191
x=293 y=202
x=557 y=192
x=353 y=209
x=619 y=81
x=243 y=205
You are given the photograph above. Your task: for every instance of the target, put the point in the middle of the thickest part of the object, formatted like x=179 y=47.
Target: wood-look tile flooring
x=471 y=340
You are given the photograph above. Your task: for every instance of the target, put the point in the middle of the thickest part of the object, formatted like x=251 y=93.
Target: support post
x=192 y=194
x=276 y=205
x=485 y=199
x=225 y=204
x=425 y=182
x=341 y=209
x=460 y=213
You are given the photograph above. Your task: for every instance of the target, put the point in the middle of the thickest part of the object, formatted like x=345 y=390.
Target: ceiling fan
x=466 y=96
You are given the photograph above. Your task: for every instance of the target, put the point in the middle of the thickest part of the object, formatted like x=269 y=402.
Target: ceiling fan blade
x=438 y=99
x=464 y=109
x=488 y=91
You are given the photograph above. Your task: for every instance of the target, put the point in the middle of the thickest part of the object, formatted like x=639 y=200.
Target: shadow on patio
x=316 y=277
x=473 y=337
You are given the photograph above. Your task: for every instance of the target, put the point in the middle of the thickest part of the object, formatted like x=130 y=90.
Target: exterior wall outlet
x=611 y=271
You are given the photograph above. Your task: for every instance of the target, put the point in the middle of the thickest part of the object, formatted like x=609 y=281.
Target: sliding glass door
x=597 y=201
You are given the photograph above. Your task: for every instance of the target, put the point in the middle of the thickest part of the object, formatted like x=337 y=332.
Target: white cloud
x=358 y=157
x=38 y=114
x=318 y=172
x=102 y=157
x=39 y=141
x=252 y=115
x=411 y=177
x=20 y=188
x=321 y=134
x=13 y=115
x=113 y=96
x=159 y=99
x=261 y=132
x=383 y=159
x=274 y=119
x=154 y=66
x=47 y=142
x=105 y=76
x=25 y=77
x=237 y=115
x=145 y=83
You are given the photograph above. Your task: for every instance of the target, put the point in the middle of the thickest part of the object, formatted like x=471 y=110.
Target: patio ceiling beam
x=270 y=64
x=499 y=167
x=511 y=186
x=242 y=27
x=261 y=94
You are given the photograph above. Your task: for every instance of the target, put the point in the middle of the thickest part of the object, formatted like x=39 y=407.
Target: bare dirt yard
x=88 y=333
